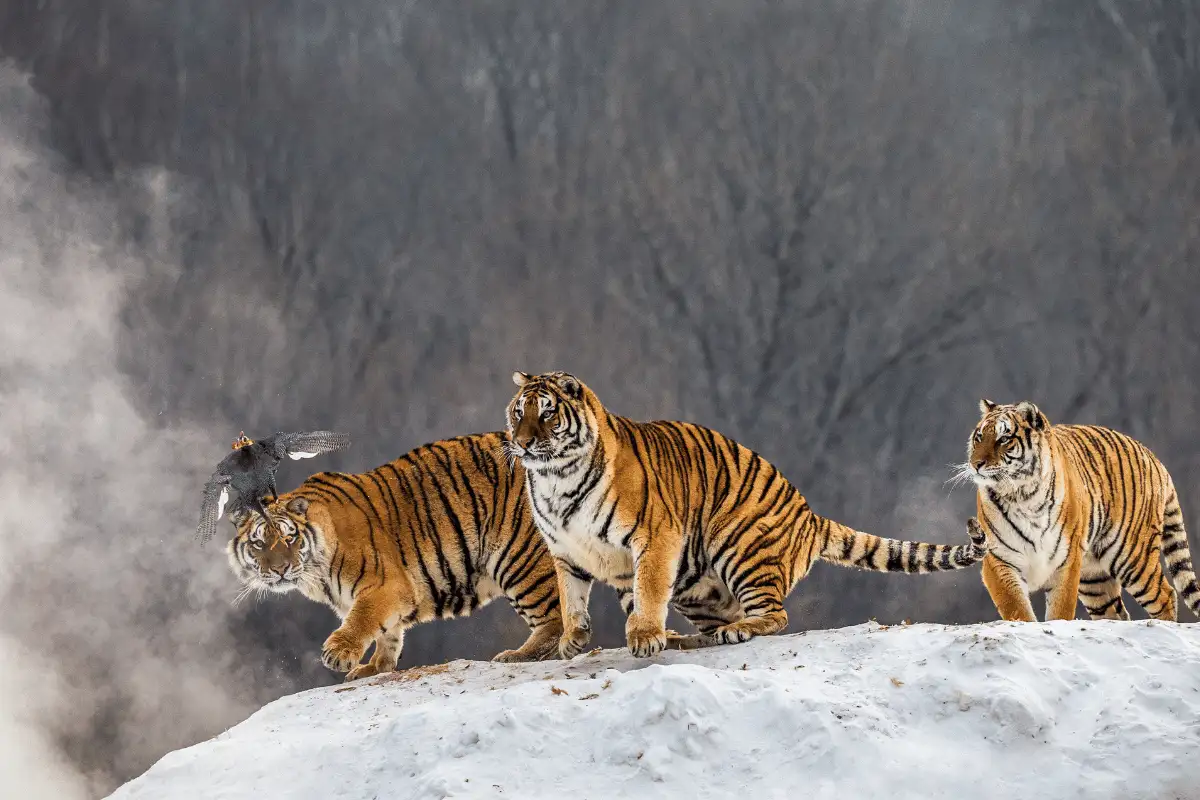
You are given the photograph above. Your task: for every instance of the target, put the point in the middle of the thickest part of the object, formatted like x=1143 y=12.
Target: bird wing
x=216 y=496
x=312 y=443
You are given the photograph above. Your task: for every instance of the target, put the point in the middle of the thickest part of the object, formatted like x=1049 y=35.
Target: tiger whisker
x=962 y=473
x=245 y=591
x=511 y=454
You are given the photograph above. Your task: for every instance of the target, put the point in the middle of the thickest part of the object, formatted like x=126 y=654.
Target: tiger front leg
x=1007 y=588
x=372 y=611
x=655 y=561
x=389 y=645
x=1063 y=596
x=574 y=588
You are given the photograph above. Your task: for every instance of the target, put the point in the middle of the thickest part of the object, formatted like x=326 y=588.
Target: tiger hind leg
x=707 y=618
x=1143 y=578
x=542 y=644
x=769 y=619
x=542 y=609
x=1101 y=595
x=1178 y=556
x=762 y=610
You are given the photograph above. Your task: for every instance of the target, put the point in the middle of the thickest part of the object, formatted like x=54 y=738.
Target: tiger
x=673 y=513
x=1080 y=511
x=435 y=534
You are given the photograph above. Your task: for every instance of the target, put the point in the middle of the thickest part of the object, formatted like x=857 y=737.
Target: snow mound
x=1055 y=710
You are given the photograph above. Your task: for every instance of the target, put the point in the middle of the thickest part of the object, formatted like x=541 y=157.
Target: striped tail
x=1178 y=557
x=852 y=548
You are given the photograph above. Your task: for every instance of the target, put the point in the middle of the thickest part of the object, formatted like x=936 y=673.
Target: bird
x=250 y=472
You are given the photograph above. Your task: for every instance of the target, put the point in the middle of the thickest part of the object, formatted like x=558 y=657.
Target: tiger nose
x=523 y=440
x=979 y=464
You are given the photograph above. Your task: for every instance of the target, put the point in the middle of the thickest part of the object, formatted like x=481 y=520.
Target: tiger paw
x=731 y=634
x=694 y=641
x=340 y=653
x=368 y=670
x=978 y=536
x=573 y=642
x=644 y=639
x=510 y=657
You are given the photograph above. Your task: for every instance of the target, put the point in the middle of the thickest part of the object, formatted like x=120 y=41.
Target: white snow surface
x=999 y=710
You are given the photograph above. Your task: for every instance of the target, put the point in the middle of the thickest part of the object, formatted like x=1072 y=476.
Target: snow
x=999 y=710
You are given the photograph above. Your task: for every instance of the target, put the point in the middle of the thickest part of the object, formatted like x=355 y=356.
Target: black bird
x=250 y=472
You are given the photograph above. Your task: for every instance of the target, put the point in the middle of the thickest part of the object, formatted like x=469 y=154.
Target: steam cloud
x=115 y=639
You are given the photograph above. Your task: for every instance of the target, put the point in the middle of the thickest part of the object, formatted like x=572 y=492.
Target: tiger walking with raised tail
x=675 y=513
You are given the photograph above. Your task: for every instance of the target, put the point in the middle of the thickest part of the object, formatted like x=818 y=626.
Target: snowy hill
x=1059 y=710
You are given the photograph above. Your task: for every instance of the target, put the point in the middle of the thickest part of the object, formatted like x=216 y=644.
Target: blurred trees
x=825 y=228
x=821 y=227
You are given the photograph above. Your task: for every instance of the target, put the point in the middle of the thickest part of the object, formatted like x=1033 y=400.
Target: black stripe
x=459 y=532
x=995 y=500
x=595 y=471
x=1175 y=546
x=362 y=571
x=579 y=573
x=867 y=559
x=612 y=510
x=931 y=557
x=418 y=525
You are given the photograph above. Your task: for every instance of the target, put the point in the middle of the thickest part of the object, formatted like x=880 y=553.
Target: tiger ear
x=1032 y=415
x=298 y=505
x=569 y=384
x=986 y=406
x=520 y=378
x=239 y=516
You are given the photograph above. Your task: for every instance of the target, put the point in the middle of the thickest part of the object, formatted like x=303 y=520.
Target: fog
x=116 y=640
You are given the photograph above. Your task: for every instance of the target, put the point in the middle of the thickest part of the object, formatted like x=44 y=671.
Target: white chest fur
x=579 y=524
x=1028 y=536
x=319 y=591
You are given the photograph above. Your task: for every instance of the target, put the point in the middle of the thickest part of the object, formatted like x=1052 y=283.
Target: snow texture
x=1001 y=710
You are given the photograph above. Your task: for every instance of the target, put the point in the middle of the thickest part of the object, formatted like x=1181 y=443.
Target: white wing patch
x=221 y=501
x=298 y=456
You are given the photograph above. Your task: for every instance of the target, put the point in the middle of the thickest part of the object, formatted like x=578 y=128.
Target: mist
x=826 y=229
x=116 y=627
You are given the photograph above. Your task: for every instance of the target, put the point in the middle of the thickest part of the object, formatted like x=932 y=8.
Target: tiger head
x=264 y=561
x=1007 y=445
x=549 y=420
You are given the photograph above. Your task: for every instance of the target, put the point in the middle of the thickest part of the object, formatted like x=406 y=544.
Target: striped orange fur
x=671 y=512
x=1078 y=510
x=434 y=534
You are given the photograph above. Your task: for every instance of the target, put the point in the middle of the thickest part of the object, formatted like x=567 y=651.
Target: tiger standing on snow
x=674 y=512
x=1078 y=510
x=435 y=534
